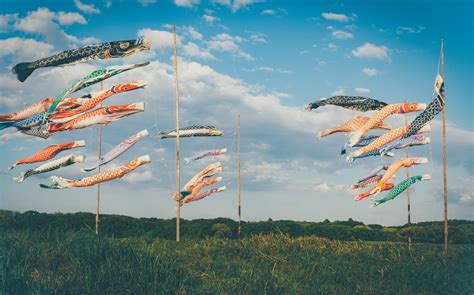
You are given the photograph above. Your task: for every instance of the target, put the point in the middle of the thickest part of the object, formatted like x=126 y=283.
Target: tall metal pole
x=177 y=132
x=445 y=180
x=238 y=174
x=408 y=194
x=99 y=155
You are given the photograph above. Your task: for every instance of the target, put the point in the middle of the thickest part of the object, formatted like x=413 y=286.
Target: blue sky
x=265 y=59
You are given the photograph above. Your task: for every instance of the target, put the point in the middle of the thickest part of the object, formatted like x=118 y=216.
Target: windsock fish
x=370 y=154
x=189 y=195
x=207 y=193
x=92 y=78
x=405 y=142
x=107 y=50
x=385 y=187
x=41 y=132
x=383 y=140
x=400 y=188
x=365 y=140
x=49 y=152
x=400 y=108
x=191 y=131
x=366 y=182
x=352 y=125
x=393 y=168
x=204 y=173
x=40 y=107
x=205 y=154
x=62 y=183
x=102 y=116
x=51 y=165
x=118 y=150
x=67 y=115
x=374 y=172
x=25 y=123
x=355 y=103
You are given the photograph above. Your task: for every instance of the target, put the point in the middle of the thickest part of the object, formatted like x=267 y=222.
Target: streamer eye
x=124 y=45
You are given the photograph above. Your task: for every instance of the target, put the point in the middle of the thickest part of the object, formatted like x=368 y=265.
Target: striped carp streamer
x=352 y=125
x=400 y=108
x=405 y=142
x=41 y=132
x=400 y=188
x=62 y=183
x=107 y=50
x=49 y=152
x=393 y=168
x=366 y=182
x=92 y=78
x=195 y=130
x=205 y=154
x=187 y=196
x=374 y=172
x=383 y=140
x=101 y=116
x=370 y=154
x=364 y=141
x=204 y=173
x=40 y=107
x=51 y=165
x=207 y=193
x=385 y=187
x=117 y=151
x=355 y=103
x=67 y=115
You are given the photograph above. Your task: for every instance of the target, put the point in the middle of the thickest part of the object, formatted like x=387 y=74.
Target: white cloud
x=275 y=12
x=267 y=70
x=193 y=50
x=193 y=33
x=210 y=19
x=371 y=51
x=138 y=177
x=370 y=72
x=69 y=18
x=332 y=47
x=257 y=37
x=186 y=3
x=301 y=52
x=335 y=16
x=145 y=3
x=341 y=35
x=24 y=49
x=236 y=5
x=87 y=8
x=339 y=91
x=6 y=22
x=409 y=30
x=361 y=90
x=160 y=40
x=227 y=43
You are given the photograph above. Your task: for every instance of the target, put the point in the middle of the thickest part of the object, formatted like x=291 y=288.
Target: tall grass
x=54 y=262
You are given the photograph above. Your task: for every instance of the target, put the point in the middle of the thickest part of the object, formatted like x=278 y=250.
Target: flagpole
x=99 y=155
x=177 y=134
x=408 y=194
x=238 y=175
x=445 y=181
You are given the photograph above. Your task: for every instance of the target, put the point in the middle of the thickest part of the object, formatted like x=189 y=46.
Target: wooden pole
x=238 y=175
x=445 y=181
x=408 y=194
x=177 y=133
x=99 y=155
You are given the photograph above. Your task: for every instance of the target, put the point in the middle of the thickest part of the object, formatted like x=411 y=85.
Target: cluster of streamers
x=205 y=154
x=192 y=131
x=188 y=196
x=355 y=103
x=385 y=187
x=63 y=183
x=52 y=165
x=209 y=171
x=117 y=150
x=352 y=125
x=400 y=188
x=115 y=49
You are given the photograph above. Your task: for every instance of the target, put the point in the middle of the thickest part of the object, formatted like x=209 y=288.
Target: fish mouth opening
x=140 y=83
x=421 y=160
x=80 y=158
x=144 y=159
x=422 y=106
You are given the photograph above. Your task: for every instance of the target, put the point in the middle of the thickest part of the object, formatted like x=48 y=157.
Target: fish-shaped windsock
x=355 y=103
x=191 y=131
x=51 y=165
x=374 y=172
x=405 y=142
x=393 y=168
x=101 y=116
x=41 y=132
x=204 y=173
x=107 y=50
x=118 y=150
x=40 y=107
x=352 y=125
x=67 y=115
x=400 y=188
x=49 y=152
x=385 y=187
x=205 y=154
x=366 y=182
x=364 y=141
x=383 y=140
x=27 y=123
x=92 y=78
x=187 y=196
x=207 y=193
x=400 y=108
x=373 y=153
x=62 y=183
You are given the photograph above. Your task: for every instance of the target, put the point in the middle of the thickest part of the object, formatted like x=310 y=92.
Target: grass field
x=77 y=262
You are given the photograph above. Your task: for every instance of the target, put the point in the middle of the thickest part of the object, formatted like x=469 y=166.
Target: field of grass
x=79 y=262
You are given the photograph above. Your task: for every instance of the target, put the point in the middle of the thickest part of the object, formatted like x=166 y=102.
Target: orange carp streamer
x=385 y=187
x=353 y=124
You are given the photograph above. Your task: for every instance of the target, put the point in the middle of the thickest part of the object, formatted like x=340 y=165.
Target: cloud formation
x=372 y=51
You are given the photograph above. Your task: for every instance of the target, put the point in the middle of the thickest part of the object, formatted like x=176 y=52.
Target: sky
x=265 y=60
